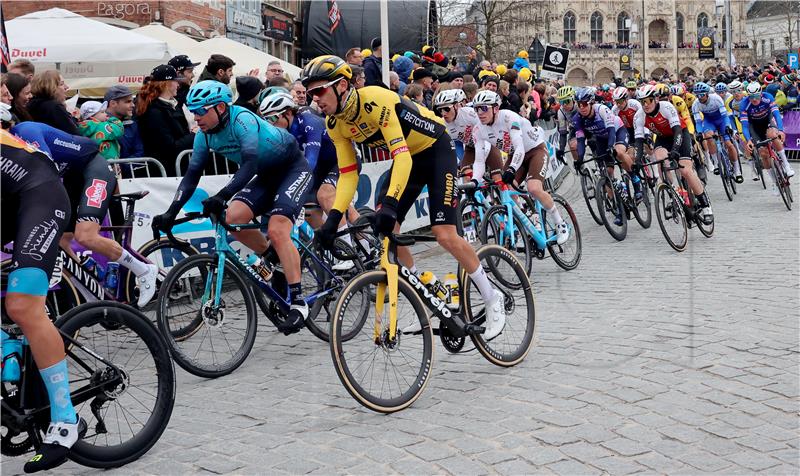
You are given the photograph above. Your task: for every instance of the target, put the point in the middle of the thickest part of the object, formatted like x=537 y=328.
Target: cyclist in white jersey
x=461 y=122
x=631 y=113
x=524 y=143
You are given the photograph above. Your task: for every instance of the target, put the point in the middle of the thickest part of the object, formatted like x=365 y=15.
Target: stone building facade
x=598 y=31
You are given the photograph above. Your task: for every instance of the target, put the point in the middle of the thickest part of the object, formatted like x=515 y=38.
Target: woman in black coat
x=48 y=102
x=162 y=124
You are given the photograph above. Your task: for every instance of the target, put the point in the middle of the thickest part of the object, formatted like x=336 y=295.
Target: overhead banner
x=625 y=60
x=554 y=65
x=705 y=40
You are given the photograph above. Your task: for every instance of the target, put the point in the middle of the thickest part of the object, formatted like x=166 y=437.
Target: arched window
x=702 y=21
x=596 y=25
x=724 y=30
x=569 y=27
x=679 y=27
x=623 y=28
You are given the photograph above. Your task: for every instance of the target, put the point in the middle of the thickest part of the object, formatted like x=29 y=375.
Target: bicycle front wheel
x=612 y=211
x=383 y=375
x=588 y=188
x=568 y=254
x=508 y=278
x=206 y=339
x=165 y=254
x=127 y=416
x=671 y=217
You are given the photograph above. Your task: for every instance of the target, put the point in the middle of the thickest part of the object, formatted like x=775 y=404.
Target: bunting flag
x=4 y=51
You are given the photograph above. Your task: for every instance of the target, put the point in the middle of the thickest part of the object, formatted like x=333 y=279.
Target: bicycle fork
x=391 y=282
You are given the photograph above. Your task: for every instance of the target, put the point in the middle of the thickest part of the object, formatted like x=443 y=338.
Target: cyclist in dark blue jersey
x=35 y=211
x=761 y=120
x=90 y=183
x=309 y=129
x=273 y=178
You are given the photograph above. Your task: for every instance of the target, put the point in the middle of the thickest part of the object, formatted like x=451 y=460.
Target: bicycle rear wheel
x=494 y=230
x=207 y=341
x=724 y=175
x=129 y=416
x=611 y=208
x=783 y=184
x=671 y=217
x=381 y=375
x=515 y=341
x=641 y=209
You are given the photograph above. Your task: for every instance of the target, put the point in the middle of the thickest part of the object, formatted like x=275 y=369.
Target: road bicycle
x=677 y=208
x=589 y=177
x=122 y=383
x=521 y=225
x=616 y=198
x=84 y=282
x=472 y=208
x=386 y=369
x=776 y=171
x=725 y=168
x=207 y=304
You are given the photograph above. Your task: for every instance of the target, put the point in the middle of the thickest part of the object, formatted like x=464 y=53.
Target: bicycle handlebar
x=765 y=142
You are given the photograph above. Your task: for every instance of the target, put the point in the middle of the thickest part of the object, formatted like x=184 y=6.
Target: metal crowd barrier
x=139 y=164
x=230 y=167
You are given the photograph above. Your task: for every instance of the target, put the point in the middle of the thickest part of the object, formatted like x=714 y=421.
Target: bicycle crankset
x=452 y=343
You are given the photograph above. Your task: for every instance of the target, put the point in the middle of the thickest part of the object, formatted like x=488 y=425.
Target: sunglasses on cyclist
x=621 y=100
x=201 y=111
x=444 y=109
x=583 y=103
x=321 y=89
x=701 y=95
x=565 y=102
x=483 y=108
x=648 y=100
x=273 y=118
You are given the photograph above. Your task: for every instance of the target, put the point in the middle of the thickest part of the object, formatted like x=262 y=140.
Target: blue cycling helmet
x=702 y=88
x=584 y=95
x=208 y=93
x=720 y=88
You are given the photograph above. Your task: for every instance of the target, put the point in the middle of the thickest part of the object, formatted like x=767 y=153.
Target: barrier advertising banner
x=791 y=127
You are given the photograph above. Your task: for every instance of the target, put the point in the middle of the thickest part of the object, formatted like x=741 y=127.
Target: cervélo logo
x=96 y=193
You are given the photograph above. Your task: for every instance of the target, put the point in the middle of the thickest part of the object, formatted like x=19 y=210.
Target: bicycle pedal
x=474 y=329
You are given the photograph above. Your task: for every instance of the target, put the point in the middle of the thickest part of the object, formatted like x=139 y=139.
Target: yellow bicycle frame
x=391 y=278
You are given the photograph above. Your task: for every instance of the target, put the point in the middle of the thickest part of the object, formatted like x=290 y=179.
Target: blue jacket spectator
x=403 y=67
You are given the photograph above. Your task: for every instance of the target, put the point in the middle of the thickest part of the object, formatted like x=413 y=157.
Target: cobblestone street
x=645 y=360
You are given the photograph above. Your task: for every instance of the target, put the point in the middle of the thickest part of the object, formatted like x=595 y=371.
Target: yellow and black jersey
x=380 y=118
x=683 y=111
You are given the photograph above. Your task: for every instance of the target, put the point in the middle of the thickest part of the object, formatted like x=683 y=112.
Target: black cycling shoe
x=295 y=319
x=739 y=179
x=57 y=442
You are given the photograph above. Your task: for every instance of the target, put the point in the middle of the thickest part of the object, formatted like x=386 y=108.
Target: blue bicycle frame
x=539 y=237
x=224 y=251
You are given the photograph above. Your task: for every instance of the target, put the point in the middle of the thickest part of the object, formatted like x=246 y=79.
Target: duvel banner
x=625 y=60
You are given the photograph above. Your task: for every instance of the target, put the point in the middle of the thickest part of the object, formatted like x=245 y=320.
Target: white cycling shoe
x=345 y=265
x=147 y=285
x=495 y=316
x=562 y=231
x=56 y=444
x=787 y=169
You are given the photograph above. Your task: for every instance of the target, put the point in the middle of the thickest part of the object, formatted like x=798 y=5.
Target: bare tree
x=792 y=23
x=490 y=19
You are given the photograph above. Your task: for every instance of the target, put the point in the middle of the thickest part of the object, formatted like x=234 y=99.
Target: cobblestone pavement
x=645 y=360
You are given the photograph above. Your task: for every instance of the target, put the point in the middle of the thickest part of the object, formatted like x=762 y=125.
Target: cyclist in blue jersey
x=309 y=130
x=35 y=212
x=761 y=120
x=273 y=178
x=605 y=133
x=711 y=116
x=90 y=183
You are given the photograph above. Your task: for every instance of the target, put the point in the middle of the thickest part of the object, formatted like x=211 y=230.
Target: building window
x=623 y=29
x=771 y=46
x=287 y=51
x=702 y=21
x=763 y=47
x=724 y=30
x=596 y=25
x=569 y=27
x=679 y=27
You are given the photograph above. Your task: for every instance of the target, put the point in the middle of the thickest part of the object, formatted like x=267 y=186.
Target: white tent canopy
x=179 y=44
x=88 y=53
x=246 y=58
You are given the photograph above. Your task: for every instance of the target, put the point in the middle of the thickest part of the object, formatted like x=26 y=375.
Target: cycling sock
x=414 y=270
x=556 y=215
x=782 y=155
x=346 y=237
x=295 y=291
x=703 y=199
x=56 y=380
x=482 y=281
x=127 y=260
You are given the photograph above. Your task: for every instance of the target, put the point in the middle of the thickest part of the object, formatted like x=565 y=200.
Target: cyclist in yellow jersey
x=422 y=152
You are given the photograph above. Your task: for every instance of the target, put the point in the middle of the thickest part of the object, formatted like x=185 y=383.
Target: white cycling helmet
x=5 y=112
x=620 y=93
x=646 y=91
x=486 y=98
x=754 y=88
x=735 y=86
x=276 y=103
x=450 y=96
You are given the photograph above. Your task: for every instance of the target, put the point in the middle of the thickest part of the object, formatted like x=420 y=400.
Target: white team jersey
x=632 y=117
x=506 y=127
x=462 y=127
